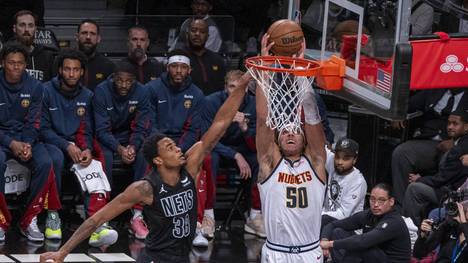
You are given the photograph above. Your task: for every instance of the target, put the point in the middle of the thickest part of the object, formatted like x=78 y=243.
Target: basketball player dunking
x=291 y=182
x=168 y=193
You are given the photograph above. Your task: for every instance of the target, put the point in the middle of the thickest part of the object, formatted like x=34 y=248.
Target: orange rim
x=307 y=67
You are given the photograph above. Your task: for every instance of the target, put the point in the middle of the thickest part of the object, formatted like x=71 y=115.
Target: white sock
x=209 y=212
x=137 y=213
x=254 y=213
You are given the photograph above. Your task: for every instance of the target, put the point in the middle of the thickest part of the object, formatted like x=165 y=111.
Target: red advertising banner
x=439 y=63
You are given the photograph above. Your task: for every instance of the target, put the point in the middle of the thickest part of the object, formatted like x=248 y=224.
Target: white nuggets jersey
x=292 y=200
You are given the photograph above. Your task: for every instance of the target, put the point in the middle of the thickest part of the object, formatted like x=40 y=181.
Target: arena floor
x=232 y=246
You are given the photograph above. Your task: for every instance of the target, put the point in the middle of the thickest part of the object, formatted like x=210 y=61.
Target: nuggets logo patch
x=187 y=104
x=131 y=109
x=80 y=111
x=99 y=76
x=25 y=103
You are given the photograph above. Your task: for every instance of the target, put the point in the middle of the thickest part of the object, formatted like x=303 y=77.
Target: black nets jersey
x=172 y=218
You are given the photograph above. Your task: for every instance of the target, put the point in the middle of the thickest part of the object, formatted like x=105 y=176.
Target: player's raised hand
x=55 y=257
x=300 y=53
x=265 y=45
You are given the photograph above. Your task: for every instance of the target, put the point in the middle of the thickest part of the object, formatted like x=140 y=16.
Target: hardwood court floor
x=228 y=246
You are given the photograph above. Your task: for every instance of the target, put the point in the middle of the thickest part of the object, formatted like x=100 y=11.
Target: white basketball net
x=284 y=93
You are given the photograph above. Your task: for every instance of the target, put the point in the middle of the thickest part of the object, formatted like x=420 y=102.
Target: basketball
x=288 y=37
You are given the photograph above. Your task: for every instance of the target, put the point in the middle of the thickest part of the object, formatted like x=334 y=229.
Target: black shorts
x=147 y=256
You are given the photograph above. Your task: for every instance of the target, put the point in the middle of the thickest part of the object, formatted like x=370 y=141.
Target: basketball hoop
x=284 y=81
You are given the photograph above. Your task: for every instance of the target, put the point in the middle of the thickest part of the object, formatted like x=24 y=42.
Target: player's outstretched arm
x=221 y=122
x=315 y=136
x=267 y=150
x=137 y=192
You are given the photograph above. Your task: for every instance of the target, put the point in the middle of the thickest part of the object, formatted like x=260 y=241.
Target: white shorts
x=272 y=256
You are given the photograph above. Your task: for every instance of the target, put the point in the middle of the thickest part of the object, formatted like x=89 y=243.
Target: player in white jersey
x=346 y=185
x=291 y=182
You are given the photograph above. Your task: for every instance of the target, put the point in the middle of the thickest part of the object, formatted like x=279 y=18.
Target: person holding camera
x=450 y=235
x=425 y=192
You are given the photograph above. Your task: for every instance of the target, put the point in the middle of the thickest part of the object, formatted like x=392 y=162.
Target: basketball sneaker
x=255 y=226
x=138 y=227
x=199 y=240
x=103 y=236
x=32 y=232
x=208 y=227
x=53 y=226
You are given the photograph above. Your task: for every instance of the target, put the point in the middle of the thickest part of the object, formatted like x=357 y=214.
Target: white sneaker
x=32 y=232
x=255 y=226
x=199 y=240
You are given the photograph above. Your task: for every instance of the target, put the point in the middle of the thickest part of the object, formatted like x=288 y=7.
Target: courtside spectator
x=200 y=10
x=98 y=67
x=422 y=153
x=40 y=61
x=66 y=123
x=447 y=237
x=208 y=67
x=425 y=192
x=346 y=186
x=146 y=68
x=385 y=237
x=122 y=116
x=20 y=112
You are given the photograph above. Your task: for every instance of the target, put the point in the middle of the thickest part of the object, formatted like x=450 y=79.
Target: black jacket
x=40 y=63
x=445 y=236
x=150 y=70
x=208 y=71
x=433 y=123
x=98 y=68
x=387 y=232
x=452 y=173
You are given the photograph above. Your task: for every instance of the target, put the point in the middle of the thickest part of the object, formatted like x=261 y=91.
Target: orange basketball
x=288 y=37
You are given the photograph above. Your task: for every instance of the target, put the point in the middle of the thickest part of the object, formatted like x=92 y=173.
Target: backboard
x=372 y=36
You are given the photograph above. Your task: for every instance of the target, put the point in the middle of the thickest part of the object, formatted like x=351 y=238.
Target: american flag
x=384 y=81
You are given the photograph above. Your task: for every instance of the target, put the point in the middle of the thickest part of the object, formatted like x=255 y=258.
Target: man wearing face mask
x=40 y=61
x=123 y=119
x=146 y=68
x=98 y=66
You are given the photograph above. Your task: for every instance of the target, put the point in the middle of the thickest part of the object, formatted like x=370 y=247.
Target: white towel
x=92 y=178
x=17 y=177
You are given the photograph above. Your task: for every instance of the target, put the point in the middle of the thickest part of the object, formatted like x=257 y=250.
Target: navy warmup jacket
x=233 y=136
x=20 y=110
x=66 y=118
x=121 y=119
x=176 y=109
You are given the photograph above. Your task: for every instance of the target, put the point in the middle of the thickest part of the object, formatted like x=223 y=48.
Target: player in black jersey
x=168 y=193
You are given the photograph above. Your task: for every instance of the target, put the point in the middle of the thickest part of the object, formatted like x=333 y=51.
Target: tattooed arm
x=136 y=193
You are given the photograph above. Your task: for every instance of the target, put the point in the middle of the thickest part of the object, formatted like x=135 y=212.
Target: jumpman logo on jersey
x=162 y=190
